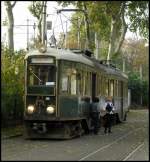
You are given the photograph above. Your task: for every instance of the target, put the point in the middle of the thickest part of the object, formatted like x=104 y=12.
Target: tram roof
x=63 y=54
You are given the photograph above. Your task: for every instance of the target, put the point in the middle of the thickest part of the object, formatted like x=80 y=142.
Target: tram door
x=121 y=99
x=93 y=85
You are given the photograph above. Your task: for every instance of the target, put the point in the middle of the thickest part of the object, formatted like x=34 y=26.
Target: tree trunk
x=39 y=31
x=124 y=29
x=112 y=39
x=86 y=19
x=9 y=8
x=40 y=24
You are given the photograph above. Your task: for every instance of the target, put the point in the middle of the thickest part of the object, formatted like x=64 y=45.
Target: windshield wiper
x=35 y=76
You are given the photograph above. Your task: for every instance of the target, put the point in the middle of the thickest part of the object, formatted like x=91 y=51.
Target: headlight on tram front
x=30 y=109
x=50 y=109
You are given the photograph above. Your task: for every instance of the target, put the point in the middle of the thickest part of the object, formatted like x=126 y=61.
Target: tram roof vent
x=108 y=63
x=88 y=53
x=77 y=51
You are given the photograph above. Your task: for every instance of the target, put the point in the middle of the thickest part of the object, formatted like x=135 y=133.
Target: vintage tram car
x=59 y=87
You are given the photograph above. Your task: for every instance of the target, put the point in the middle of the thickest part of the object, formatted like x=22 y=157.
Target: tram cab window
x=41 y=75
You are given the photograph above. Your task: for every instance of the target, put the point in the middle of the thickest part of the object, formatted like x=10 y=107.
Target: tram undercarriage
x=52 y=130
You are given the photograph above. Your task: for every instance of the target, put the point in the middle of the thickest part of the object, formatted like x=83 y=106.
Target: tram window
x=115 y=88
x=119 y=89
x=79 y=83
x=73 y=84
x=102 y=85
x=64 y=87
x=41 y=74
x=98 y=89
x=106 y=87
x=88 y=85
x=97 y=85
x=111 y=88
x=84 y=83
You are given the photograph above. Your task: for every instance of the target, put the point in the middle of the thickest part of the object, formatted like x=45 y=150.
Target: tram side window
x=97 y=85
x=65 y=81
x=115 y=88
x=102 y=85
x=106 y=87
x=84 y=83
x=73 y=84
x=68 y=79
x=98 y=89
x=119 y=89
x=79 y=83
x=111 y=88
x=88 y=84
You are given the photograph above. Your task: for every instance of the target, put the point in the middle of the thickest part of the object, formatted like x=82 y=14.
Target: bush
x=138 y=88
x=12 y=78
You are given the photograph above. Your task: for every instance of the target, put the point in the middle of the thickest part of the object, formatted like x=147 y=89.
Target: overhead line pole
x=44 y=34
x=27 y=34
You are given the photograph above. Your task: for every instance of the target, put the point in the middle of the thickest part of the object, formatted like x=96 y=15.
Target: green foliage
x=138 y=88
x=100 y=14
x=138 y=13
x=12 y=84
x=36 y=9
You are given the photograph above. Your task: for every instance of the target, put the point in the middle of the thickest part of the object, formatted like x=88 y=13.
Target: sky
x=21 y=14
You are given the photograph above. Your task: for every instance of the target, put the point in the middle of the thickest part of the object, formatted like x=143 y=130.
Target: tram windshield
x=41 y=75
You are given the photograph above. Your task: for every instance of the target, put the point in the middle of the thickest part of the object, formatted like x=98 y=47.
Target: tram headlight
x=50 y=109
x=30 y=109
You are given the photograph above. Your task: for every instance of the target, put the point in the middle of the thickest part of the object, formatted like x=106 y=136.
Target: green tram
x=59 y=88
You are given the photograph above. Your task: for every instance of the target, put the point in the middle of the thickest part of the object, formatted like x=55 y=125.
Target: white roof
x=61 y=54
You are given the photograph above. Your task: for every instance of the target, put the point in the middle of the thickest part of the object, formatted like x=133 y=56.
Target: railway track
x=129 y=141
x=110 y=144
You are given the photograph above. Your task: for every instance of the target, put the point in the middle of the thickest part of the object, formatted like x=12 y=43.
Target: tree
x=136 y=55
x=9 y=9
x=12 y=84
x=138 y=14
x=36 y=9
x=109 y=19
x=84 y=8
x=116 y=11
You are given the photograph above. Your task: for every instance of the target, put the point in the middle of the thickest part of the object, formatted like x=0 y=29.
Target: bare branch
x=12 y=5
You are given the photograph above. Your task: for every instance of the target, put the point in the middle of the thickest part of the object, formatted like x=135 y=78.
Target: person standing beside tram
x=95 y=114
x=109 y=109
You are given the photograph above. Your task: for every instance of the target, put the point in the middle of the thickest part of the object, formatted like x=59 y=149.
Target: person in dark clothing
x=109 y=108
x=95 y=114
